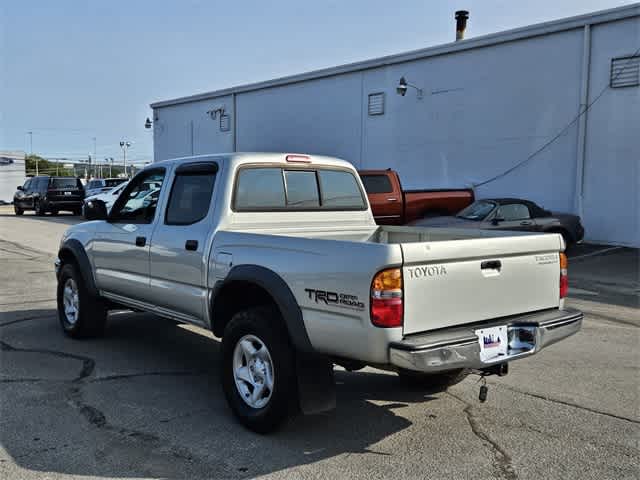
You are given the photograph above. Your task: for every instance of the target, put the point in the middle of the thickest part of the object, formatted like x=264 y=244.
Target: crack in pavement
x=502 y=460
x=568 y=404
x=21 y=380
x=20 y=320
x=88 y=364
x=177 y=373
x=20 y=248
x=98 y=419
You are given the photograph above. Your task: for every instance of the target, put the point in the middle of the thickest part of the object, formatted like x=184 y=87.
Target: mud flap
x=316 y=387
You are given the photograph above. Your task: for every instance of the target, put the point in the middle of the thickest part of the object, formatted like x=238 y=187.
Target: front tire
x=18 y=211
x=258 y=376
x=81 y=315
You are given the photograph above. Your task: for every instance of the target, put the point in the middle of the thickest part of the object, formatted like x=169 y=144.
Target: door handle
x=526 y=222
x=491 y=265
x=191 y=245
x=391 y=199
x=141 y=241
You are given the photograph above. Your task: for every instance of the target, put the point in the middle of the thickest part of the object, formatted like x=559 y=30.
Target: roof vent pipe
x=461 y=23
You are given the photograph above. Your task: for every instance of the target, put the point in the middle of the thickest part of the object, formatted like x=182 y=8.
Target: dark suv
x=49 y=194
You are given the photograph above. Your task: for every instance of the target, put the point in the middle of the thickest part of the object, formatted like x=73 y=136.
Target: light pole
x=31 y=149
x=110 y=162
x=125 y=145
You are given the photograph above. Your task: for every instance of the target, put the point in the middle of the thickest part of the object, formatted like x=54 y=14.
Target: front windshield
x=477 y=210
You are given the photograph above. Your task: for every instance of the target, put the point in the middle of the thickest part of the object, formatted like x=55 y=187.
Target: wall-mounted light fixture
x=148 y=123
x=401 y=89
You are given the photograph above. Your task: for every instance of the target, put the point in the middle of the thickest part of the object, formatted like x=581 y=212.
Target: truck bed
x=451 y=276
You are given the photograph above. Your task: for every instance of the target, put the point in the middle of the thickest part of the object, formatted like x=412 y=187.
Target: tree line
x=47 y=167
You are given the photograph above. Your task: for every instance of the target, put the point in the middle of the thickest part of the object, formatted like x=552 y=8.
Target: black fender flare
x=277 y=288
x=74 y=248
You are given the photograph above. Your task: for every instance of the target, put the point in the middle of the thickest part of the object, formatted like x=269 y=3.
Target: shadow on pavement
x=145 y=401
x=609 y=276
x=65 y=218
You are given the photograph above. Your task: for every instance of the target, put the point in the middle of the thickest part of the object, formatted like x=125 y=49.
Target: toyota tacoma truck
x=280 y=257
x=391 y=205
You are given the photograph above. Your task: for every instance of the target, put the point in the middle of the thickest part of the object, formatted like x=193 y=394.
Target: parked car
x=108 y=197
x=511 y=214
x=99 y=185
x=392 y=205
x=279 y=256
x=49 y=194
x=142 y=199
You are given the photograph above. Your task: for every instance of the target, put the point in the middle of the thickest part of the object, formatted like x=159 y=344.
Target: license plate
x=493 y=342
x=67 y=193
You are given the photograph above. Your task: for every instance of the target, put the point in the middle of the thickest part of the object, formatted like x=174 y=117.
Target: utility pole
x=125 y=145
x=95 y=157
x=31 y=149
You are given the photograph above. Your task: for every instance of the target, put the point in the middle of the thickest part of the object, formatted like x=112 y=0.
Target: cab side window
x=190 y=198
x=139 y=200
x=514 y=211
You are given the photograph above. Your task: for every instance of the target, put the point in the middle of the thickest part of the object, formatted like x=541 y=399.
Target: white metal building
x=12 y=174
x=487 y=104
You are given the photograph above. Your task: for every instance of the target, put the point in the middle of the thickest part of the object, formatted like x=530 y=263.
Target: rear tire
x=81 y=315
x=39 y=208
x=54 y=211
x=77 y=211
x=436 y=382
x=258 y=357
x=18 y=211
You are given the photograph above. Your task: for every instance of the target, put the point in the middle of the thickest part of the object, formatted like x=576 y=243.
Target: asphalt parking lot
x=145 y=401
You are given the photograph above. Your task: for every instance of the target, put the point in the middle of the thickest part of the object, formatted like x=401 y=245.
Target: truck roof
x=238 y=158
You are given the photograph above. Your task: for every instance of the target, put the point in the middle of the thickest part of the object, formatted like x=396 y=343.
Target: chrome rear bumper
x=458 y=347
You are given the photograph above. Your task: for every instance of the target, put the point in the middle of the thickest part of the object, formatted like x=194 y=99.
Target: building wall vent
x=376 y=103
x=225 y=122
x=625 y=71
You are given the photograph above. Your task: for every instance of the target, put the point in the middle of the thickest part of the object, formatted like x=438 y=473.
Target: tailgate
x=454 y=282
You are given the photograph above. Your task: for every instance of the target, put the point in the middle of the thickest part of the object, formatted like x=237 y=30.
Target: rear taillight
x=386 y=298
x=564 y=279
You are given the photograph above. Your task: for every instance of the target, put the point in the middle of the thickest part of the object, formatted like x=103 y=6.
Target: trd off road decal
x=334 y=298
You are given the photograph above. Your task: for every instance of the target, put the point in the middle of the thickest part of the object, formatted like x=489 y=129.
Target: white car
x=101 y=185
x=109 y=197
x=143 y=199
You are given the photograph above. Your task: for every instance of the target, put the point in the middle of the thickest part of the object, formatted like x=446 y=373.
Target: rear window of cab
x=294 y=189
x=70 y=182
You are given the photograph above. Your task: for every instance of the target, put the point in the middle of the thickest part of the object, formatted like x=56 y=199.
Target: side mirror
x=21 y=188
x=95 y=210
x=497 y=220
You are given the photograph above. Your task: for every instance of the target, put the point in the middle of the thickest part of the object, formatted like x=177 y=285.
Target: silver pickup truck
x=279 y=256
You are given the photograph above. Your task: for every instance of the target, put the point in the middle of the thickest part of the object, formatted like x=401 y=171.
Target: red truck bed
x=393 y=206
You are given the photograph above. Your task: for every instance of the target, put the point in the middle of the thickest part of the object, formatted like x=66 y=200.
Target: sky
x=75 y=71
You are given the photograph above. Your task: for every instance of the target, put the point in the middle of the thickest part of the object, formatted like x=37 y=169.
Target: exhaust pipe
x=461 y=23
